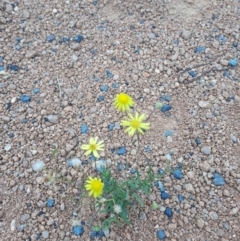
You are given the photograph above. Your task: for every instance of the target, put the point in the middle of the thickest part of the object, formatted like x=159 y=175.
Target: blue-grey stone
x=50 y=38
x=115 y=85
x=25 y=98
x=21 y=227
x=166 y=98
x=36 y=90
x=180 y=198
x=50 y=202
x=132 y=171
x=168 y=212
x=177 y=173
x=45 y=234
x=160 y=171
x=160 y=186
x=93 y=51
x=218 y=180
x=78 y=38
x=176 y=42
x=164 y=195
x=78 y=230
x=96 y=79
x=198 y=141
x=104 y=88
x=166 y=108
x=168 y=133
x=111 y=126
x=226 y=73
x=13 y=67
x=206 y=150
x=234 y=139
x=18 y=47
x=232 y=62
x=66 y=39
x=121 y=150
x=161 y=234
x=39 y=235
x=199 y=49
x=25 y=120
x=192 y=73
x=1 y=68
x=100 y=98
x=230 y=98
x=100 y=165
x=109 y=74
x=147 y=149
x=1 y=59
x=222 y=39
x=84 y=129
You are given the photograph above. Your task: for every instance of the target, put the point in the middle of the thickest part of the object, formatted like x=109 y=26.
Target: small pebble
x=168 y=133
x=8 y=147
x=78 y=38
x=232 y=62
x=165 y=195
x=147 y=149
x=36 y=90
x=100 y=98
x=177 y=173
x=166 y=98
x=206 y=150
x=199 y=49
x=84 y=129
x=122 y=150
x=45 y=234
x=166 y=108
x=100 y=165
x=222 y=39
x=50 y=38
x=168 y=212
x=13 y=67
x=218 y=180
x=111 y=126
x=198 y=141
x=104 y=88
x=160 y=186
x=161 y=234
x=192 y=73
x=50 y=202
x=53 y=119
x=109 y=74
x=78 y=230
x=25 y=98
x=180 y=198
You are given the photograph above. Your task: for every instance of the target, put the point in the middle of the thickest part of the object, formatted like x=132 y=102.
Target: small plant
x=117 y=197
x=114 y=198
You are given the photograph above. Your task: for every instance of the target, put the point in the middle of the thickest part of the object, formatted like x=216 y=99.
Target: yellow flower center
x=135 y=124
x=123 y=98
x=96 y=186
x=93 y=147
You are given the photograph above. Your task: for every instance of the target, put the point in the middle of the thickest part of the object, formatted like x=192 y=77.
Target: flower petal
x=85 y=147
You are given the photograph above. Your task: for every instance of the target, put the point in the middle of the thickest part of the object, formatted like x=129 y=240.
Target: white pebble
x=38 y=166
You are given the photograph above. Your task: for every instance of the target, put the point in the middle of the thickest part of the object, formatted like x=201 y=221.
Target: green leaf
x=123 y=215
x=154 y=205
x=138 y=199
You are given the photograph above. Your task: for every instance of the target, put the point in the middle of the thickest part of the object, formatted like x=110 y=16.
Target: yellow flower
x=94 y=186
x=123 y=102
x=93 y=147
x=135 y=124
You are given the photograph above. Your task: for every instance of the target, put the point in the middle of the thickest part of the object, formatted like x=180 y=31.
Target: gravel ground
x=62 y=63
